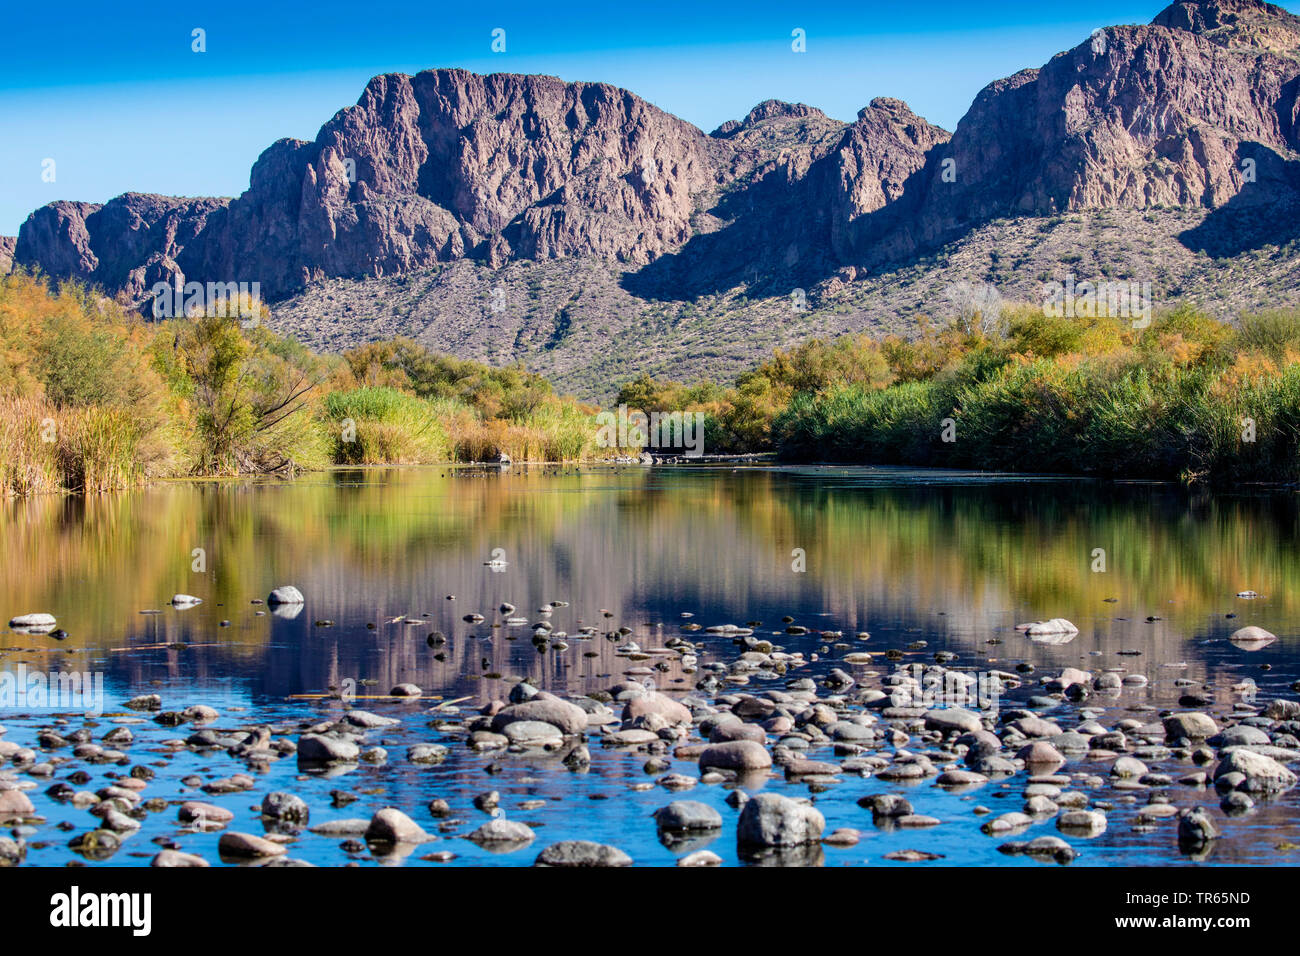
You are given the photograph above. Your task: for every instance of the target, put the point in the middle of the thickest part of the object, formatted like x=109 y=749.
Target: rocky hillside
x=589 y=234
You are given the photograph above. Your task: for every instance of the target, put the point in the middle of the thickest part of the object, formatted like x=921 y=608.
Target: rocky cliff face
x=7 y=253
x=1200 y=109
x=448 y=165
x=125 y=245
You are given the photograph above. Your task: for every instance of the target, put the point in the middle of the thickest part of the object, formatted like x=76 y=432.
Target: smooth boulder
x=770 y=819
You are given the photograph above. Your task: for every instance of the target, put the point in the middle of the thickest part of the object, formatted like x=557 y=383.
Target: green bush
x=381 y=425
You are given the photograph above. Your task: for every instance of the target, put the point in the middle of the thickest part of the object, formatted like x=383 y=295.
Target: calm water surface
x=954 y=560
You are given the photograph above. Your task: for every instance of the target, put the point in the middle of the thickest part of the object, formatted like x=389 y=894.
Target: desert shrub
x=1272 y=331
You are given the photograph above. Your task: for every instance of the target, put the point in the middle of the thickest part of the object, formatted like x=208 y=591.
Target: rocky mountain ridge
x=1196 y=111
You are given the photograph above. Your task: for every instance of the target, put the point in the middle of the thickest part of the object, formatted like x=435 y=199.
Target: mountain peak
x=767 y=110
x=1241 y=24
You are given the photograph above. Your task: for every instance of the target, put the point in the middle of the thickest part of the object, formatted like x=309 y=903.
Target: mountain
x=580 y=229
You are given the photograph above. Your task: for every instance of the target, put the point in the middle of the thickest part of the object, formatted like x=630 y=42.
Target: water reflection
x=922 y=561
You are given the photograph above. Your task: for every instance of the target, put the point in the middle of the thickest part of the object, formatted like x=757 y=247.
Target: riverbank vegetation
x=93 y=398
x=1185 y=398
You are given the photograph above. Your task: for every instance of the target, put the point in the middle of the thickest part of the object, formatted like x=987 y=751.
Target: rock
x=1252 y=636
x=185 y=600
x=113 y=819
x=1082 y=822
x=1040 y=753
x=629 y=738
x=700 y=858
x=1191 y=725
x=844 y=836
x=572 y=853
x=953 y=720
x=1040 y=806
x=1108 y=680
x=15 y=804
x=1069 y=677
x=501 y=830
x=33 y=623
x=802 y=767
x=391 y=825
x=1280 y=709
x=742 y=755
x=769 y=819
x=1006 y=822
x=426 y=753
x=406 y=690
x=318 y=748
x=1127 y=767
x=285 y=594
x=1242 y=735
x=1260 y=773
x=1036 y=727
x=285 y=807
x=198 y=713
x=247 y=845
x=568 y=718
x=913 y=856
x=523 y=690
x=887 y=806
x=1055 y=627
x=96 y=844
x=355 y=826
x=916 y=821
x=175 y=858
x=1043 y=847
x=675 y=713
x=676 y=781
x=687 y=815
x=961 y=778
x=193 y=811
x=1195 y=828
x=533 y=733
x=1236 y=802
x=367 y=721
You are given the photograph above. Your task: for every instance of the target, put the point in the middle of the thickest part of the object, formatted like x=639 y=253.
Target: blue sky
x=118 y=99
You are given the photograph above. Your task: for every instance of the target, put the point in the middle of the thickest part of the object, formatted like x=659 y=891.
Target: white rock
x=285 y=594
